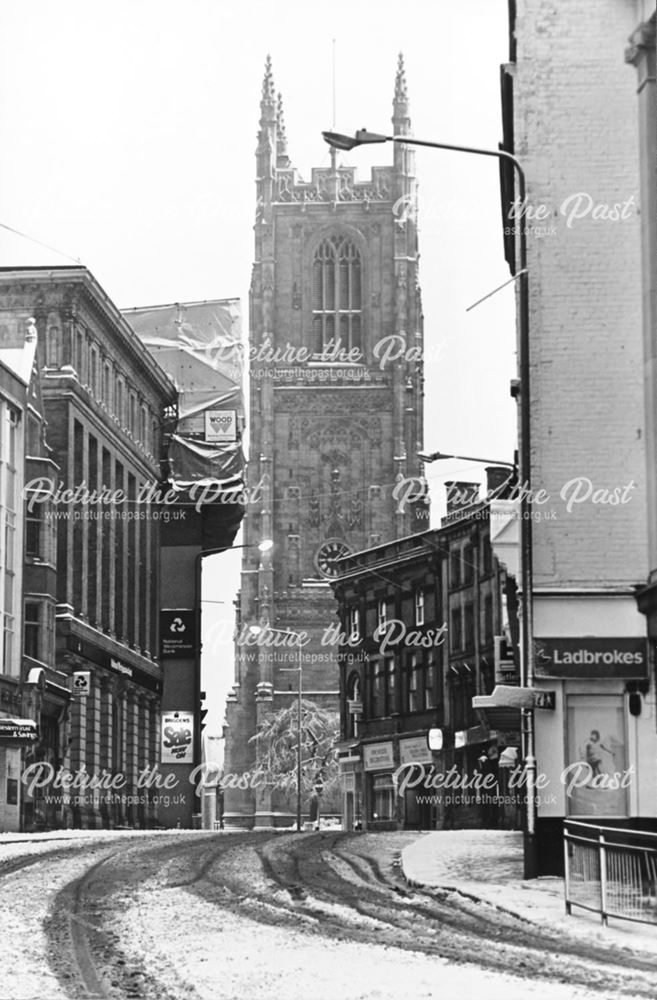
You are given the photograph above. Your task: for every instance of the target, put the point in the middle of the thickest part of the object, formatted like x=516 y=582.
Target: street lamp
x=256 y=630
x=522 y=390
x=438 y=456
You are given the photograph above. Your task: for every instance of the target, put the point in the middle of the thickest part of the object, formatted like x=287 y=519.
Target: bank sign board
x=591 y=657
x=177 y=633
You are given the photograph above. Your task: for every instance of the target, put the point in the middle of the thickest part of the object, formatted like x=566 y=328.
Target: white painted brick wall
x=576 y=131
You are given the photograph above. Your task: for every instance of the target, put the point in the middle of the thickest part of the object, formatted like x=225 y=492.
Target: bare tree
x=276 y=748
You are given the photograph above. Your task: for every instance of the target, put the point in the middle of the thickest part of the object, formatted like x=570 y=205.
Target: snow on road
x=187 y=940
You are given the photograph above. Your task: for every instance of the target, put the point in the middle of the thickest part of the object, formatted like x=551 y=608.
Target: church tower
x=335 y=421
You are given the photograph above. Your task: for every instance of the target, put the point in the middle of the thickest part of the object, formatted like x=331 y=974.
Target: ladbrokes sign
x=591 y=657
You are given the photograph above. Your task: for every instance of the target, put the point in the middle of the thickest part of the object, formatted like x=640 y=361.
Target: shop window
x=383 y=797
x=597 y=744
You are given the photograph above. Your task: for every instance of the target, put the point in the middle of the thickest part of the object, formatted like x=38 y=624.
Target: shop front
x=596 y=747
x=381 y=812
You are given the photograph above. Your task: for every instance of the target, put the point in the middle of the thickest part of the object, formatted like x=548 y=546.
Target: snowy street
x=232 y=916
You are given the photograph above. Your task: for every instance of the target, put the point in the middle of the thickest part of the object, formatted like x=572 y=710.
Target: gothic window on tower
x=337 y=301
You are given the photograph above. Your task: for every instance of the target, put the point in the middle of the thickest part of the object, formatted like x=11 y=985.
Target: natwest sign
x=591 y=657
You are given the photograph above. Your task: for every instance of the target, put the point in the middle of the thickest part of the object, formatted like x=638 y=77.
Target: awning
x=502 y=708
x=16 y=732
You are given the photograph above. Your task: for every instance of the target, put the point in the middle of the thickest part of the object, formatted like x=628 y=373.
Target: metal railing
x=611 y=871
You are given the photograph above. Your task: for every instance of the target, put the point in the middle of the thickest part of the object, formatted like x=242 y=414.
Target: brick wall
x=576 y=134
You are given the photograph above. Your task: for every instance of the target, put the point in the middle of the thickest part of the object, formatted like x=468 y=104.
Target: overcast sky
x=128 y=137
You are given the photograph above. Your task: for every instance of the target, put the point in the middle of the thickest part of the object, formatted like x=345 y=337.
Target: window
x=32 y=630
x=468 y=563
x=381 y=615
x=391 y=705
x=354 y=624
x=468 y=627
x=377 y=700
x=415 y=695
x=94 y=361
x=132 y=414
x=33 y=533
x=107 y=385
x=120 y=400
x=456 y=629
x=143 y=426
x=336 y=295
x=383 y=797
x=488 y=619
x=455 y=568
x=430 y=698
x=80 y=356
x=419 y=607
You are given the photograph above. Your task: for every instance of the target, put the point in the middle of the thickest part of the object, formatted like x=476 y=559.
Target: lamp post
x=522 y=390
x=437 y=456
x=256 y=630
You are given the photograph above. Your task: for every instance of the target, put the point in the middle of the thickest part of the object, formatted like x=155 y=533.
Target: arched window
x=336 y=295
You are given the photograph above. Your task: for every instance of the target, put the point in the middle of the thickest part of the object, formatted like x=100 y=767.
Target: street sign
x=177 y=633
x=82 y=683
x=545 y=699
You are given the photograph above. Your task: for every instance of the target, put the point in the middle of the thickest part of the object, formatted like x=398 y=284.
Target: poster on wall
x=596 y=778
x=177 y=737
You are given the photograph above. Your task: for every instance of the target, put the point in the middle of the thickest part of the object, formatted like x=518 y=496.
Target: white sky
x=128 y=134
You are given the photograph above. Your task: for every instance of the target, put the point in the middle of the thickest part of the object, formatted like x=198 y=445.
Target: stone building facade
x=335 y=422
x=105 y=400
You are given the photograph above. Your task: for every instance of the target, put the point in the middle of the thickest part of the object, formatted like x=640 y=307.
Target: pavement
x=487 y=865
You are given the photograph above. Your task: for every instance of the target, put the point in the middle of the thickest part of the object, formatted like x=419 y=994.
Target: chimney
x=499 y=481
x=460 y=495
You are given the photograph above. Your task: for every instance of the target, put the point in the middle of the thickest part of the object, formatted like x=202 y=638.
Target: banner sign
x=177 y=737
x=591 y=657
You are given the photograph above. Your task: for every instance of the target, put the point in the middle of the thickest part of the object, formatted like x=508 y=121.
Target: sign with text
x=415 y=751
x=220 y=425
x=177 y=633
x=177 y=737
x=591 y=657
x=378 y=756
x=18 y=731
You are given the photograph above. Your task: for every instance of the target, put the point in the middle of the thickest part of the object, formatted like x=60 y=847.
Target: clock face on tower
x=327 y=553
